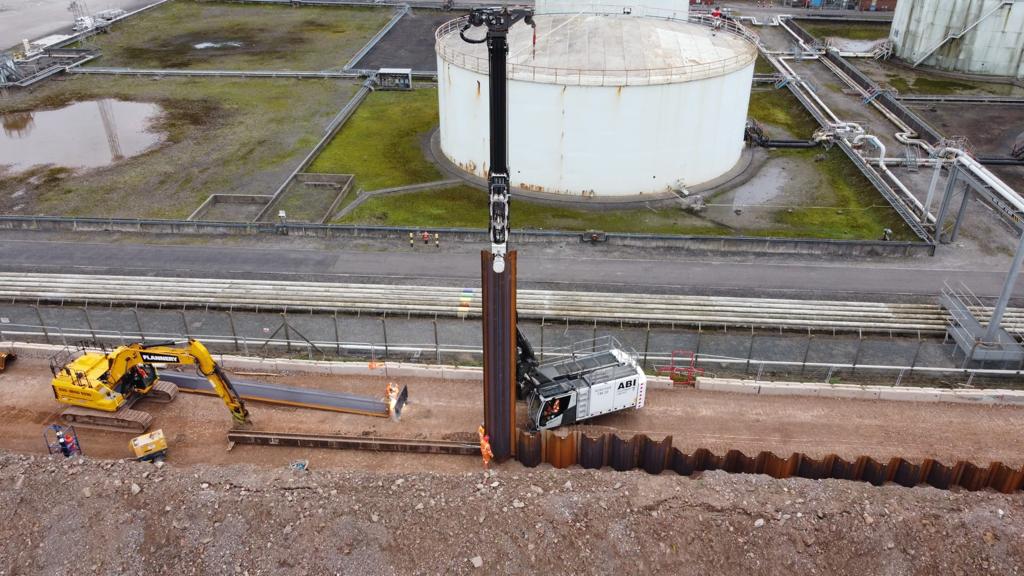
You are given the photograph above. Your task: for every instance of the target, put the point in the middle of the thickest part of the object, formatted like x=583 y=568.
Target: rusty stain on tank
x=477 y=88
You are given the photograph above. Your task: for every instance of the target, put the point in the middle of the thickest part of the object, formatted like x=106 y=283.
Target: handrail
x=607 y=77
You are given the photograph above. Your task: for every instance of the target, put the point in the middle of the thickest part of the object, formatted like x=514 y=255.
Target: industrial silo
x=971 y=36
x=611 y=102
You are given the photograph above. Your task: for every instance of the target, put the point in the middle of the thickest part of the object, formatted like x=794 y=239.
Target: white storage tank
x=631 y=101
x=971 y=36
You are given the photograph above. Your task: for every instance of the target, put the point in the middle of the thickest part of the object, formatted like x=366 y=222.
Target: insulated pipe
x=991 y=179
x=892 y=177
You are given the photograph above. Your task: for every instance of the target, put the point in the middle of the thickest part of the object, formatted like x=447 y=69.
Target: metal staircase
x=960 y=34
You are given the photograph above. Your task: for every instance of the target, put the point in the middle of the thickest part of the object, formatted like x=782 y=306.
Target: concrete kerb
x=335 y=125
x=402 y=10
x=862 y=392
x=363 y=196
x=214 y=199
x=400 y=370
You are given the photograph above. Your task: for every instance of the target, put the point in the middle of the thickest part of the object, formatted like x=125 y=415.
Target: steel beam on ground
x=286 y=395
x=420 y=446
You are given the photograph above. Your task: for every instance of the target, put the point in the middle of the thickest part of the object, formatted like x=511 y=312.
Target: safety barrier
x=705 y=244
x=654 y=456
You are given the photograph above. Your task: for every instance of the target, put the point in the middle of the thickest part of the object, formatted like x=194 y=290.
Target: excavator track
x=162 y=392
x=124 y=420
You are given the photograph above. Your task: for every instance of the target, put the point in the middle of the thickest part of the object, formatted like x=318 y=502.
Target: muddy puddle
x=86 y=134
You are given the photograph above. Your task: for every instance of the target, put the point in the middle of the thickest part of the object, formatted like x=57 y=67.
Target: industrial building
x=969 y=36
x=594 y=90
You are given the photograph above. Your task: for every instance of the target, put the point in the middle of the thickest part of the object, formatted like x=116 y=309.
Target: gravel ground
x=196 y=425
x=84 y=516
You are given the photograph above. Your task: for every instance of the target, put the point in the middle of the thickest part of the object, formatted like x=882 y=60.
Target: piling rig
x=498 y=265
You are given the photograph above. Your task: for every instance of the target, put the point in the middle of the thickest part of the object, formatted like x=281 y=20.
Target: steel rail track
x=284 y=296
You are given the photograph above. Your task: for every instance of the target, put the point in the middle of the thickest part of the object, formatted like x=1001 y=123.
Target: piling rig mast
x=498 y=265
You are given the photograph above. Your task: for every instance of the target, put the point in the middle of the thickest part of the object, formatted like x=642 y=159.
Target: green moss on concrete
x=848 y=30
x=382 y=143
x=780 y=108
x=466 y=207
x=850 y=208
x=233 y=136
x=246 y=36
x=929 y=86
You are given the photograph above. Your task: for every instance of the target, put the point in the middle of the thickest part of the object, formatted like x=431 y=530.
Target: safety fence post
x=542 y=321
x=337 y=334
x=184 y=322
x=138 y=322
x=234 y=334
x=647 y=343
x=437 y=345
x=88 y=322
x=287 y=331
x=42 y=324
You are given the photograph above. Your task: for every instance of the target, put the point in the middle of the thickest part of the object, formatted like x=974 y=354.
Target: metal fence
x=760 y=355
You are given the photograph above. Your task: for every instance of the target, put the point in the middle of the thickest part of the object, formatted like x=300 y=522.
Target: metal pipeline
x=789 y=144
x=892 y=177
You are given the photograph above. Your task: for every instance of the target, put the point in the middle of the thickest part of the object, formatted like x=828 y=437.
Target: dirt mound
x=85 y=516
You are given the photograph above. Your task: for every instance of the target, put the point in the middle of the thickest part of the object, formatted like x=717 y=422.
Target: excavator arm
x=194 y=352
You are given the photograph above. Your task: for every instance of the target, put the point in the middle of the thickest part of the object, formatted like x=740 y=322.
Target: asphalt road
x=568 y=267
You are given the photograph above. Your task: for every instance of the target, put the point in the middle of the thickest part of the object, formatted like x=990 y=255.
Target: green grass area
x=924 y=85
x=780 y=108
x=847 y=208
x=466 y=207
x=762 y=66
x=220 y=35
x=233 y=136
x=381 y=142
x=850 y=30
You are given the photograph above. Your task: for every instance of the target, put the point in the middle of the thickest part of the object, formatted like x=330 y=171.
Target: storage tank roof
x=615 y=50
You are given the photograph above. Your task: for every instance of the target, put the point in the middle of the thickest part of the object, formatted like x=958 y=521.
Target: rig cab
x=589 y=379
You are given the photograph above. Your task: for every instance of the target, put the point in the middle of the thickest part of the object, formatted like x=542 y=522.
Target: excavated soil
x=82 y=516
x=208 y=510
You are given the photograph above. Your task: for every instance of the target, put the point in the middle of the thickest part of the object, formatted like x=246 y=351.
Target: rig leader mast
x=498 y=265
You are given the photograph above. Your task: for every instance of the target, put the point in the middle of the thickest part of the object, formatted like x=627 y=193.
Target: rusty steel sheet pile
x=564 y=449
x=499 y=335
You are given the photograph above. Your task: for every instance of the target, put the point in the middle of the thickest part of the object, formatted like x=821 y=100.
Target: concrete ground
x=34 y=19
x=983 y=234
x=410 y=44
x=568 y=265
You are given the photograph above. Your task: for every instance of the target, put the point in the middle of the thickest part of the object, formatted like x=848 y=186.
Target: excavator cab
x=139 y=379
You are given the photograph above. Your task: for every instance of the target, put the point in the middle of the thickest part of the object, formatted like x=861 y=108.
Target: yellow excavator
x=102 y=387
